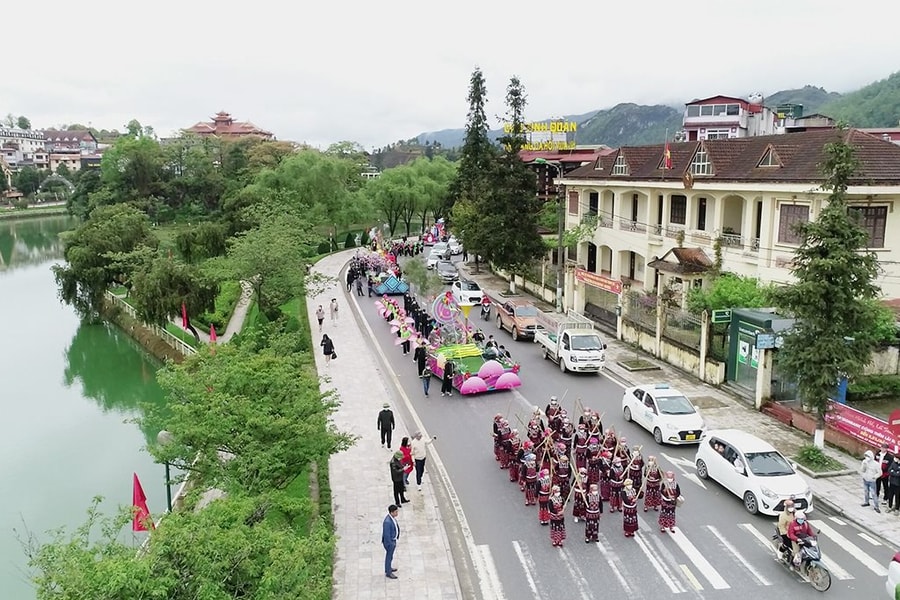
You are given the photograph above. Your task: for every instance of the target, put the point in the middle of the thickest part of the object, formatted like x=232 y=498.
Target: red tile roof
x=222 y=124
x=687 y=261
x=737 y=159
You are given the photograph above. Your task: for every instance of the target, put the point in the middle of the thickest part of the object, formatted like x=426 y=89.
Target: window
x=717 y=134
x=620 y=167
x=593 y=203
x=790 y=216
x=706 y=110
x=733 y=110
x=873 y=220
x=573 y=203
x=701 y=165
x=678 y=210
x=769 y=159
x=693 y=111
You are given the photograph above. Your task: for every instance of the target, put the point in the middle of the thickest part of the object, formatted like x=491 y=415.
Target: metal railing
x=629 y=225
x=176 y=343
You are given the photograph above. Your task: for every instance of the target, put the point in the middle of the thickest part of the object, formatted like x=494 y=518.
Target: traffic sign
x=894 y=422
x=721 y=316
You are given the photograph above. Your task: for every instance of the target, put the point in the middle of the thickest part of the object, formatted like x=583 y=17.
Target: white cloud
x=378 y=72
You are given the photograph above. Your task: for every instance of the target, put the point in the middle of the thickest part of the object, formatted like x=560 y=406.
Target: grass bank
x=33 y=212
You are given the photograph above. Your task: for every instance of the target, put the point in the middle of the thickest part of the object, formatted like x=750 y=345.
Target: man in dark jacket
x=386 y=424
x=893 y=486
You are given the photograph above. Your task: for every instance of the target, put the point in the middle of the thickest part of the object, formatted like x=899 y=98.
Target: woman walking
x=447 y=383
x=327 y=348
x=334 y=311
x=669 y=495
x=629 y=508
x=407 y=461
x=320 y=317
x=653 y=479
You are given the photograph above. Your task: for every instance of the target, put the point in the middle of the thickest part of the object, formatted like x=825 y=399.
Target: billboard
x=547 y=135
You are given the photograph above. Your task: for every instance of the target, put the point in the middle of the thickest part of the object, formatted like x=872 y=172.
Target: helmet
x=553 y=400
x=800 y=515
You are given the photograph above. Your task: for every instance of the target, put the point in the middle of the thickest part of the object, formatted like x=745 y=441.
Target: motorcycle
x=810 y=569
x=486 y=311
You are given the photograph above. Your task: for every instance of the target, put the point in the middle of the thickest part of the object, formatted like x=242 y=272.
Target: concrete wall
x=677 y=355
x=885 y=361
x=535 y=289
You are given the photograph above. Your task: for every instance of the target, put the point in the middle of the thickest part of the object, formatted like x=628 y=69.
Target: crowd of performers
x=560 y=462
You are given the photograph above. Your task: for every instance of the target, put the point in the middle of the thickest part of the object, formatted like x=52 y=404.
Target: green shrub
x=350 y=240
x=324 y=247
x=364 y=241
x=813 y=458
x=229 y=294
x=871 y=387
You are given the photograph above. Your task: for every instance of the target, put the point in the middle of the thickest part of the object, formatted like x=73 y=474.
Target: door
x=731 y=479
x=701 y=214
x=649 y=412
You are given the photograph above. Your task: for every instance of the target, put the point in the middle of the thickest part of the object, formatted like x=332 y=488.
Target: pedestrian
x=320 y=317
x=420 y=355
x=870 y=471
x=447 y=382
x=545 y=488
x=420 y=453
x=629 y=508
x=396 y=466
x=390 y=533
x=884 y=458
x=531 y=477
x=593 y=509
x=652 y=485
x=327 y=348
x=670 y=496
x=616 y=483
x=406 y=449
x=386 y=424
x=579 y=494
x=557 y=517
x=894 y=485
x=334 y=311
x=359 y=291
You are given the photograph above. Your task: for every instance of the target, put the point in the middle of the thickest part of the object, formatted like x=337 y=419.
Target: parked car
x=665 y=412
x=518 y=317
x=455 y=247
x=751 y=469
x=439 y=252
x=466 y=291
x=893 y=577
x=446 y=270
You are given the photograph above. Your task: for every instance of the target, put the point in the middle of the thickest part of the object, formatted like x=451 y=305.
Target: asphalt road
x=718 y=550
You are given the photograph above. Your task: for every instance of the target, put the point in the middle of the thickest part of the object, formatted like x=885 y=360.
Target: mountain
x=453 y=138
x=812 y=98
x=629 y=125
x=875 y=105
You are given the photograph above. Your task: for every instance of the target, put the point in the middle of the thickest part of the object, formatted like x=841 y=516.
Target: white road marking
x=611 y=560
x=613 y=379
x=529 y=567
x=696 y=479
x=489 y=569
x=682 y=464
x=838 y=520
x=690 y=577
x=851 y=548
x=738 y=556
x=696 y=557
x=575 y=572
x=869 y=538
x=674 y=585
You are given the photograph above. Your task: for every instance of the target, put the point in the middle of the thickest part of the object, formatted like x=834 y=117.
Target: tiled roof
x=222 y=124
x=737 y=159
x=687 y=261
x=72 y=135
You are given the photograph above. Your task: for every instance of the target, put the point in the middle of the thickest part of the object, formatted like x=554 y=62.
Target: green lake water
x=67 y=391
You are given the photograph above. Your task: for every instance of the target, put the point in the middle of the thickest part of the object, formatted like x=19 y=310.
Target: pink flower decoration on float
x=515 y=368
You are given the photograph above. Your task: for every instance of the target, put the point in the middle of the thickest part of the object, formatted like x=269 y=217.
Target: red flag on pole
x=141 y=513
x=184 y=316
x=212 y=333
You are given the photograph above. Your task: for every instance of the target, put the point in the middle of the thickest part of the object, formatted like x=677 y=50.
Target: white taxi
x=665 y=412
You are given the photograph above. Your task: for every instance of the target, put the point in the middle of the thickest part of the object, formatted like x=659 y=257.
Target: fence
x=677 y=325
x=177 y=344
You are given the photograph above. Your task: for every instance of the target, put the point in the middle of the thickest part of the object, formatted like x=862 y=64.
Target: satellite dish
x=756 y=98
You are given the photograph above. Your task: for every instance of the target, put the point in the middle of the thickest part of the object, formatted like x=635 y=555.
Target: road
x=718 y=550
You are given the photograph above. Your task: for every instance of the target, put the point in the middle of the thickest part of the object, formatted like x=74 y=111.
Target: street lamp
x=560 y=199
x=164 y=438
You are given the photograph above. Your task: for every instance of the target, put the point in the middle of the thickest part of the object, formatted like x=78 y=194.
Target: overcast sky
x=376 y=72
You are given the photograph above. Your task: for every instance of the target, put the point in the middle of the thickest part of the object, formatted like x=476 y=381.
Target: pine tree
x=831 y=298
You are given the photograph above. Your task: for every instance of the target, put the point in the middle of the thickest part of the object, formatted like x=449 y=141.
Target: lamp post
x=164 y=438
x=560 y=199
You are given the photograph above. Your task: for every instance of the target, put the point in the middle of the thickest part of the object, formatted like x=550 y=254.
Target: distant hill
x=453 y=138
x=876 y=105
x=812 y=98
x=630 y=125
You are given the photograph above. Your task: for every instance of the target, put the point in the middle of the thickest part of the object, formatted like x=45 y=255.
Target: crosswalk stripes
x=679 y=566
x=851 y=548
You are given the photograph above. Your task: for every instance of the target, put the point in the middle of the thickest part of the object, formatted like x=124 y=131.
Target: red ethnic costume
x=531 y=480
x=581 y=446
x=669 y=494
x=616 y=482
x=557 y=517
x=498 y=437
x=545 y=484
x=593 y=510
x=513 y=447
x=579 y=491
x=629 y=508
x=636 y=469
x=653 y=479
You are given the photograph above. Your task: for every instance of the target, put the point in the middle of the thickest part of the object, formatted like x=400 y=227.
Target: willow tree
x=831 y=298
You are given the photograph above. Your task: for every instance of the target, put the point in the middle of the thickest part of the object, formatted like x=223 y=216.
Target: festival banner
x=860 y=426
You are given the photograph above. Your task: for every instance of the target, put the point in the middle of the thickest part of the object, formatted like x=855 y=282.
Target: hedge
x=871 y=387
x=226 y=301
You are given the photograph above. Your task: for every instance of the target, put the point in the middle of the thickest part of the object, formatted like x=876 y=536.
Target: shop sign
x=612 y=286
x=860 y=426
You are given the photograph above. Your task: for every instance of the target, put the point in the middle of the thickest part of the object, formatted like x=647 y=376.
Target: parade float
x=381 y=266
x=476 y=370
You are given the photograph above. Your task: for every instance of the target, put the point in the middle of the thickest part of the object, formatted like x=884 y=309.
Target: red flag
x=184 y=316
x=668 y=156
x=212 y=333
x=141 y=512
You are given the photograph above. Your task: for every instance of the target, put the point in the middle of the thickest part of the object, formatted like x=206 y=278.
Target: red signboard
x=865 y=428
x=598 y=281
x=894 y=422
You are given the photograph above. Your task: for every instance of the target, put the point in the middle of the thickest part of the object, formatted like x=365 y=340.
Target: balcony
x=630 y=225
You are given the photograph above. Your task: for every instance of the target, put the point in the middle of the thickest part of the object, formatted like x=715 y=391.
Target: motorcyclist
x=784 y=519
x=799 y=528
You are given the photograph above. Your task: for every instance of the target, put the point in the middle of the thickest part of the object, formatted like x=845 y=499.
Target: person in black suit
x=386 y=424
x=390 y=533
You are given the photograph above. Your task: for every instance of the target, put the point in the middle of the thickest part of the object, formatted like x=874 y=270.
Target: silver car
x=446 y=270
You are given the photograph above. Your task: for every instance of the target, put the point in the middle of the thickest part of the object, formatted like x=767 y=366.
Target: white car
x=455 y=247
x=466 y=291
x=751 y=469
x=665 y=412
x=439 y=252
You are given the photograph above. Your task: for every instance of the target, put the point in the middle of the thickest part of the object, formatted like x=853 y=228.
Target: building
x=658 y=228
x=224 y=126
x=723 y=117
x=71 y=148
x=22 y=147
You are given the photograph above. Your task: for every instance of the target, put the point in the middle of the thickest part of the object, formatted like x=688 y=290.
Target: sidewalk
x=360 y=479
x=841 y=494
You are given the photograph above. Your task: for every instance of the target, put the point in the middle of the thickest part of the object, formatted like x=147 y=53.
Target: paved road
x=718 y=551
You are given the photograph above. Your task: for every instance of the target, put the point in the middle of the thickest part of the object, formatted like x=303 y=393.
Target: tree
x=433 y=178
x=28 y=180
x=161 y=286
x=729 y=291
x=512 y=209
x=834 y=282
x=94 y=255
x=392 y=195
x=133 y=169
x=134 y=128
x=23 y=122
x=478 y=153
x=89 y=183
x=10 y=120
x=206 y=240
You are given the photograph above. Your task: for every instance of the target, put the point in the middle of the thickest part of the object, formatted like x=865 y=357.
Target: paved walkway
x=235 y=323
x=843 y=494
x=361 y=487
